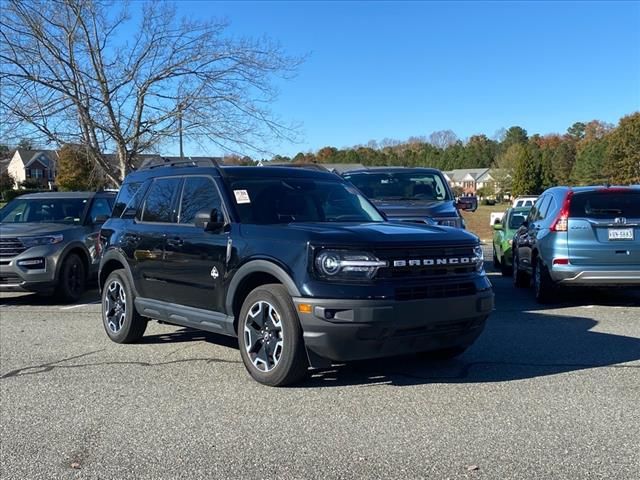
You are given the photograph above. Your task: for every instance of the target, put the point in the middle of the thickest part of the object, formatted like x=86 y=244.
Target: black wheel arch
x=74 y=248
x=114 y=260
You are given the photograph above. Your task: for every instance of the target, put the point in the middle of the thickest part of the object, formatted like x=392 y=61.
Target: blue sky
x=380 y=70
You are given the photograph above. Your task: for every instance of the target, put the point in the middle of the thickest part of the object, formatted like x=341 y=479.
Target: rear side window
x=127 y=191
x=606 y=204
x=158 y=206
x=199 y=194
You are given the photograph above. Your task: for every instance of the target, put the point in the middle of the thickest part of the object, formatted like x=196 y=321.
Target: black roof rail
x=309 y=166
x=184 y=162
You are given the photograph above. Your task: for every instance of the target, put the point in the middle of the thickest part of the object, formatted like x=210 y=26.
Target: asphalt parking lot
x=545 y=393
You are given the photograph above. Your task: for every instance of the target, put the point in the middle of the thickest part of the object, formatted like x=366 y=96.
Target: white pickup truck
x=525 y=201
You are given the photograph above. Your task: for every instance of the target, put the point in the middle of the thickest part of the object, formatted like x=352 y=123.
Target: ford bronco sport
x=295 y=263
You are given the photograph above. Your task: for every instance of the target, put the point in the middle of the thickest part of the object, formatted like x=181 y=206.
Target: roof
x=378 y=170
x=459 y=174
x=343 y=167
x=29 y=156
x=276 y=172
x=54 y=195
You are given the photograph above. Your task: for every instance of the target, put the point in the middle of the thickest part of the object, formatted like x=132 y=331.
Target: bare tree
x=443 y=138
x=71 y=74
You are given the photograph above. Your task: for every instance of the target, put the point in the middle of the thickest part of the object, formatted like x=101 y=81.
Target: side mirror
x=100 y=219
x=210 y=221
x=469 y=204
x=497 y=226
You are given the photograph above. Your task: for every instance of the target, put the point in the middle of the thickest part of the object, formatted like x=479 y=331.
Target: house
x=38 y=166
x=472 y=179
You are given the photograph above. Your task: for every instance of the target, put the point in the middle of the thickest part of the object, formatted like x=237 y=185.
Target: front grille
x=421 y=271
x=9 y=279
x=10 y=247
x=446 y=290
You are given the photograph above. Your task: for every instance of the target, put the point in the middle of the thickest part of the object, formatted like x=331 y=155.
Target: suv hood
x=373 y=234
x=32 y=229
x=416 y=209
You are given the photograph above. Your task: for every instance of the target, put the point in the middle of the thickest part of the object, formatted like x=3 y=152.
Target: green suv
x=503 y=232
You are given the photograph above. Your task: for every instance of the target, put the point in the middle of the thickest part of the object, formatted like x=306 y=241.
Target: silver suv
x=579 y=236
x=47 y=242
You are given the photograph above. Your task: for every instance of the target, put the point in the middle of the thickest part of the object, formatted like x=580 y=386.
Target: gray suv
x=579 y=236
x=47 y=242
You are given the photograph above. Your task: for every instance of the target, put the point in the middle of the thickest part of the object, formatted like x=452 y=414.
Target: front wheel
x=121 y=321
x=520 y=279
x=72 y=281
x=496 y=261
x=270 y=337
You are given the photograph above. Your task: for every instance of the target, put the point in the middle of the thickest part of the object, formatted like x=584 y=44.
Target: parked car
x=579 y=236
x=524 y=201
x=419 y=195
x=47 y=242
x=503 y=237
x=296 y=263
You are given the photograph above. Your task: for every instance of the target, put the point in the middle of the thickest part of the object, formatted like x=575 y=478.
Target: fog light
x=32 y=263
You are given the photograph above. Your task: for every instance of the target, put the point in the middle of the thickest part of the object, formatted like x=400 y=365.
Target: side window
x=544 y=207
x=198 y=194
x=533 y=213
x=126 y=193
x=158 y=205
x=99 y=208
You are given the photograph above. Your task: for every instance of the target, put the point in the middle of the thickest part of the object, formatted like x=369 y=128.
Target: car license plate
x=621 y=234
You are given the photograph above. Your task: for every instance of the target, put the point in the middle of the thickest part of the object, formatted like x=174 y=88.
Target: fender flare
x=120 y=258
x=261 y=266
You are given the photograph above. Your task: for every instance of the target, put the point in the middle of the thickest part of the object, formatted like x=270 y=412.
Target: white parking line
x=71 y=307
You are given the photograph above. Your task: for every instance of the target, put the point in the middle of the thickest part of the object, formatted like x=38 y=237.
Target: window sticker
x=242 y=196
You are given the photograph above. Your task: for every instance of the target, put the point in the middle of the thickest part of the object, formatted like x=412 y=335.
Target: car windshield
x=516 y=219
x=43 y=210
x=400 y=185
x=606 y=204
x=271 y=201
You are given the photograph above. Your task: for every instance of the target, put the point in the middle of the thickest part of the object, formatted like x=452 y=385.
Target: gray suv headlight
x=43 y=240
x=347 y=264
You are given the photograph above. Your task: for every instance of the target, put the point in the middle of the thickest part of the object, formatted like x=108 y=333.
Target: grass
x=478 y=221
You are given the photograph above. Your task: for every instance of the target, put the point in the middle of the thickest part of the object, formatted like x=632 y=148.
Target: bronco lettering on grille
x=429 y=262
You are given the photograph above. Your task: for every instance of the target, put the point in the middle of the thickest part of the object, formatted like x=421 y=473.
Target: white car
x=525 y=201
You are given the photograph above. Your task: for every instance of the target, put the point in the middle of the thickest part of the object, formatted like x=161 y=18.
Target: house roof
x=467 y=174
x=27 y=157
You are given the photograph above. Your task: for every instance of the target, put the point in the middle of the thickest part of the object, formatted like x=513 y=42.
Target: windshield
x=400 y=186
x=50 y=210
x=516 y=219
x=269 y=201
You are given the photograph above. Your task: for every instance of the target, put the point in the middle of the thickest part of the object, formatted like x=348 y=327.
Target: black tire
x=443 y=353
x=505 y=269
x=520 y=278
x=72 y=280
x=124 y=325
x=271 y=346
x=496 y=262
x=543 y=285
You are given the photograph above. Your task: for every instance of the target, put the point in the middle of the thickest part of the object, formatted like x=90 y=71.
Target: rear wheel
x=543 y=285
x=121 y=321
x=505 y=269
x=520 y=278
x=72 y=281
x=496 y=261
x=270 y=337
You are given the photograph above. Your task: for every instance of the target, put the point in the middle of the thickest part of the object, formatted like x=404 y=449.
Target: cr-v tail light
x=561 y=223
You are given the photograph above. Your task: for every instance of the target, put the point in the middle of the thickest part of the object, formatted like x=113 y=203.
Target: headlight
x=347 y=264
x=45 y=240
x=449 y=222
x=479 y=256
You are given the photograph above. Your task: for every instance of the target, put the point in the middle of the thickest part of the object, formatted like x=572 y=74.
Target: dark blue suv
x=296 y=263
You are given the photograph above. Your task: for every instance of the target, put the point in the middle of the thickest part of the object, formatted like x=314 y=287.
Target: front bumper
x=345 y=330
x=17 y=278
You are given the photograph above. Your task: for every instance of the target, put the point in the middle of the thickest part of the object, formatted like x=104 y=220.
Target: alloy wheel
x=115 y=306
x=263 y=336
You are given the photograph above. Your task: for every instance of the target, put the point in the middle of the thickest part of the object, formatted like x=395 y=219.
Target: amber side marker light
x=304 y=308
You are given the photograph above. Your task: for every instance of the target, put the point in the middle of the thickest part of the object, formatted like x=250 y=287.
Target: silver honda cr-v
x=579 y=236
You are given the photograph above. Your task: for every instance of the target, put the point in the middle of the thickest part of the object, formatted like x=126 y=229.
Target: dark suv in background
x=419 y=195
x=580 y=236
x=296 y=263
x=47 y=242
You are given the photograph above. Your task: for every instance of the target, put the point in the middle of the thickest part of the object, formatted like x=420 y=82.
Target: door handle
x=175 y=242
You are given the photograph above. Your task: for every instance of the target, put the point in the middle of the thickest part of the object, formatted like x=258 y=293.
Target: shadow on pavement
x=525 y=346
x=184 y=334
x=38 y=300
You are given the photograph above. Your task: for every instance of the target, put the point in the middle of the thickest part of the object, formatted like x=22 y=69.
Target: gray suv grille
x=10 y=247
